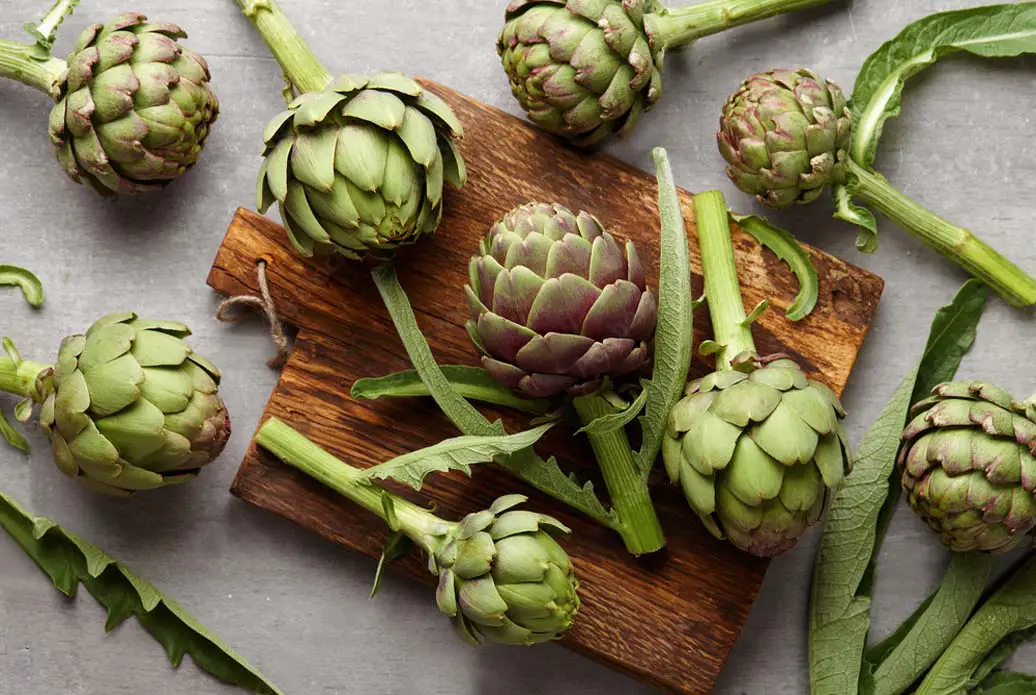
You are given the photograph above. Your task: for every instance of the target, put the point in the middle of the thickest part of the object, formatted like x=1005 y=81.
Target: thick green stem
x=673 y=28
x=423 y=527
x=22 y=62
x=20 y=378
x=730 y=327
x=49 y=23
x=631 y=499
x=300 y=65
x=956 y=243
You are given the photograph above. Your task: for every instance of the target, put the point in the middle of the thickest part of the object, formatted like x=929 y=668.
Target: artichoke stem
x=291 y=447
x=673 y=28
x=627 y=486
x=300 y=65
x=956 y=243
x=730 y=328
x=19 y=378
x=24 y=63
x=49 y=23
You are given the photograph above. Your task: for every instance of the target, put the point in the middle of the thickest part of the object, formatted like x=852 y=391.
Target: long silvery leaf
x=844 y=571
x=674 y=335
x=544 y=475
x=914 y=647
x=1008 y=613
x=457 y=454
x=69 y=561
x=470 y=382
x=993 y=31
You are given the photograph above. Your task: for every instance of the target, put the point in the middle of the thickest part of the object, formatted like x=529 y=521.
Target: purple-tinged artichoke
x=968 y=466
x=557 y=303
x=782 y=133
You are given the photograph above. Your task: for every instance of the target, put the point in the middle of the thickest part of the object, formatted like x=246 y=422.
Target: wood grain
x=668 y=620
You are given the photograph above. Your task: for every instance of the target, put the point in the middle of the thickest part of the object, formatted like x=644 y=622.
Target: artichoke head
x=134 y=107
x=130 y=407
x=358 y=168
x=582 y=70
x=968 y=467
x=557 y=303
x=782 y=134
x=503 y=578
x=757 y=451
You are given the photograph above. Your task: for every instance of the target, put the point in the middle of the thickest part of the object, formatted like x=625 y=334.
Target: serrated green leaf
x=32 y=288
x=788 y=249
x=993 y=31
x=457 y=454
x=843 y=574
x=470 y=382
x=616 y=421
x=544 y=475
x=69 y=561
x=1006 y=619
x=674 y=334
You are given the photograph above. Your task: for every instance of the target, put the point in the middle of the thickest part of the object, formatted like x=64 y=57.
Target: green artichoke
x=358 y=168
x=756 y=450
x=557 y=304
x=134 y=107
x=968 y=467
x=503 y=578
x=582 y=70
x=130 y=407
x=589 y=69
x=783 y=134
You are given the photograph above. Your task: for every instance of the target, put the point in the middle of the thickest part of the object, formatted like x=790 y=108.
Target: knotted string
x=228 y=312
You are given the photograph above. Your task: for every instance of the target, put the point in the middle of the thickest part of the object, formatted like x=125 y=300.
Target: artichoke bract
x=586 y=70
x=756 y=446
x=756 y=451
x=968 y=466
x=128 y=406
x=134 y=106
x=359 y=167
x=782 y=134
x=502 y=576
x=557 y=303
x=356 y=164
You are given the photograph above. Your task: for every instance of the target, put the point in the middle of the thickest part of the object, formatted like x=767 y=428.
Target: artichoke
x=356 y=164
x=756 y=446
x=128 y=406
x=968 y=467
x=756 y=451
x=787 y=134
x=782 y=134
x=503 y=578
x=585 y=70
x=358 y=168
x=557 y=303
x=135 y=107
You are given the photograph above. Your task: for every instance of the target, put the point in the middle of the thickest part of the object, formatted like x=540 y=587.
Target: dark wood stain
x=670 y=620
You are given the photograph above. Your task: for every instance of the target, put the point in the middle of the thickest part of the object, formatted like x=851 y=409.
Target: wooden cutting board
x=669 y=620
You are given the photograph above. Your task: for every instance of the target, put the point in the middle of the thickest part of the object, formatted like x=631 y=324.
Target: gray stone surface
x=295 y=605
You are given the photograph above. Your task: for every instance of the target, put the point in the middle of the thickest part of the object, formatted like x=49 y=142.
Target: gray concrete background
x=295 y=605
